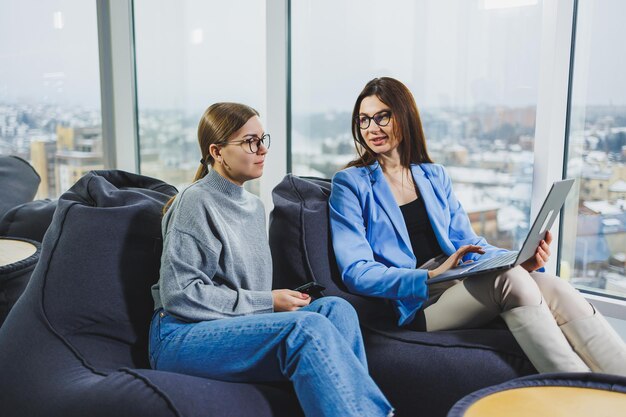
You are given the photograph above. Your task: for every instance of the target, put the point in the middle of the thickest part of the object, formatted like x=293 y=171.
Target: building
x=79 y=150
x=71 y=165
x=42 y=154
x=594 y=184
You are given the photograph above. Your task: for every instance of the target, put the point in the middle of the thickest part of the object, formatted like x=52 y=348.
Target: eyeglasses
x=252 y=144
x=381 y=118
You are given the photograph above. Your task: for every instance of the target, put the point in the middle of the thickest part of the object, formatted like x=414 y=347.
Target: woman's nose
x=373 y=127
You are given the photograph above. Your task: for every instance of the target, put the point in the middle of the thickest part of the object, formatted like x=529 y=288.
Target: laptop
x=545 y=219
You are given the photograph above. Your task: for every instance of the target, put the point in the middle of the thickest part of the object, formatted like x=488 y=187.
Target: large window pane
x=594 y=244
x=50 y=89
x=473 y=69
x=190 y=54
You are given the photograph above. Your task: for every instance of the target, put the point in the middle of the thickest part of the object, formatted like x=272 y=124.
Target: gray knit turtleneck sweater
x=216 y=260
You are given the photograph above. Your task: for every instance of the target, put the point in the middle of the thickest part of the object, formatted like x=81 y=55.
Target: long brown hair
x=216 y=126
x=407 y=125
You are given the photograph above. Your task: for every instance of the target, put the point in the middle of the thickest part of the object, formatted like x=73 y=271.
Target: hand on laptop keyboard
x=454 y=259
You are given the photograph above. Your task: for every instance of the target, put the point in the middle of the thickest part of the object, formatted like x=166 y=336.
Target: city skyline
x=491 y=184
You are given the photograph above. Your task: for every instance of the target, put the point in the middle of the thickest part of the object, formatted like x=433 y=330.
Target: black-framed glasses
x=381 y=118
x=253 y=143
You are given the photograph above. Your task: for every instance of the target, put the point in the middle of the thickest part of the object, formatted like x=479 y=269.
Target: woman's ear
x=215 y=152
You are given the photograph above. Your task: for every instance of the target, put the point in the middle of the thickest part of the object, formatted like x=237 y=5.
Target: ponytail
x=203 y=169
x=200 y=173
x=167 y=205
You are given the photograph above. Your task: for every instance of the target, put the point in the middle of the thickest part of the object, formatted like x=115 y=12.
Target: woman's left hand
x=542 y=254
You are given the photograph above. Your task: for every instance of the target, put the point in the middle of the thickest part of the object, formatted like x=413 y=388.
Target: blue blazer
x=371 y=241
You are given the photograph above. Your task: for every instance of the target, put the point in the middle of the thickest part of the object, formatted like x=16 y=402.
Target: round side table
x=18 y=258
x=548 y=395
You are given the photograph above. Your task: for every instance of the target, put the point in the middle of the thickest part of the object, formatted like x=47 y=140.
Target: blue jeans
x=319 y=348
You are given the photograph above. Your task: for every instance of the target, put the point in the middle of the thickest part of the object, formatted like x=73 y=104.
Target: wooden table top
x=550 y=401
x=12 y=251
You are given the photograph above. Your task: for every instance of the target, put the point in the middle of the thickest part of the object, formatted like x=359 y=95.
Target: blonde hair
x=216 y=126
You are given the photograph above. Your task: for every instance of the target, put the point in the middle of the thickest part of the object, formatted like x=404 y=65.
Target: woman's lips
x=378 y=141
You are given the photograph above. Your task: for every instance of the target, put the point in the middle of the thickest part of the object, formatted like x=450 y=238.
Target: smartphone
x=310 y=288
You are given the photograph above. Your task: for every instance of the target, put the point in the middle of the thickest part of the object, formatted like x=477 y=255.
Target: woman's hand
x=289 y=300
x=542 y=254
x=454 y=259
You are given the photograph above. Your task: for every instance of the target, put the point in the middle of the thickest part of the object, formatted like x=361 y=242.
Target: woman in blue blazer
x=396 y=222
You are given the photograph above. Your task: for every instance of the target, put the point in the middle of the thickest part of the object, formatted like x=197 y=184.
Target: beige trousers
x=554 y=325
x=479 y=299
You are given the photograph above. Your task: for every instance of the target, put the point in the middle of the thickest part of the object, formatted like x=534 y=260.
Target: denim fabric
x=319 y=348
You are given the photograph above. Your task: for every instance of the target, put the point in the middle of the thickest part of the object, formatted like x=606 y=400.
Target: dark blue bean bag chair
x=421 y=373
x=75 y=344
x=29 y=220
x=14 y=277
x=18 y=182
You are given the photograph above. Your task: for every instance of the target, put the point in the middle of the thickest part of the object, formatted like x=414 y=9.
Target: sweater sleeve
x=190 y=290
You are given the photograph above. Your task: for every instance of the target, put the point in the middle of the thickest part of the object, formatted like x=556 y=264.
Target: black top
x=423 y=240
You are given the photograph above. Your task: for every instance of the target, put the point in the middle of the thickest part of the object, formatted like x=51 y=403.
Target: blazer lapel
x=433 y=208
x=385 y=199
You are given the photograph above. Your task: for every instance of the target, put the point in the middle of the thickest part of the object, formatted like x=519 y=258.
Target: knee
x=311 y=324
x=555 y=287
x=518 y=288
x=338 y=307
x=564 y=300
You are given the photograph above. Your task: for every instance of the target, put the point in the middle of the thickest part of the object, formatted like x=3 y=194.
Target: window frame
x=118 y=87
x=120 y=123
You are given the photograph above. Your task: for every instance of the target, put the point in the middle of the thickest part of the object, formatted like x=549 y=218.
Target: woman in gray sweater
x=215 y=313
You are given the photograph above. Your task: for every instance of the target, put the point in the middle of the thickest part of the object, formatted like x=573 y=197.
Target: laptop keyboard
x=504 y=259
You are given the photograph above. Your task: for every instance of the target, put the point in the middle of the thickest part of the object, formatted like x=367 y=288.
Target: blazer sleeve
x=361 y=273
x=190 y=290
x=460 y=231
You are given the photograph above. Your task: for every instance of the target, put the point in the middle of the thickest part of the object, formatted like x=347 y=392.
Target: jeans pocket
x=161 y=326
x=166 y=325
x=154 y=340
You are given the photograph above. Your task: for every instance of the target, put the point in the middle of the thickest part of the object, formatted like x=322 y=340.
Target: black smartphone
x=310 y=288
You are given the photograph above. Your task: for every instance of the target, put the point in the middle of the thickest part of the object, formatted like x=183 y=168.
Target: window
x=594 y=236
x=191 y=54
x=50 y=89
x=473 y=69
